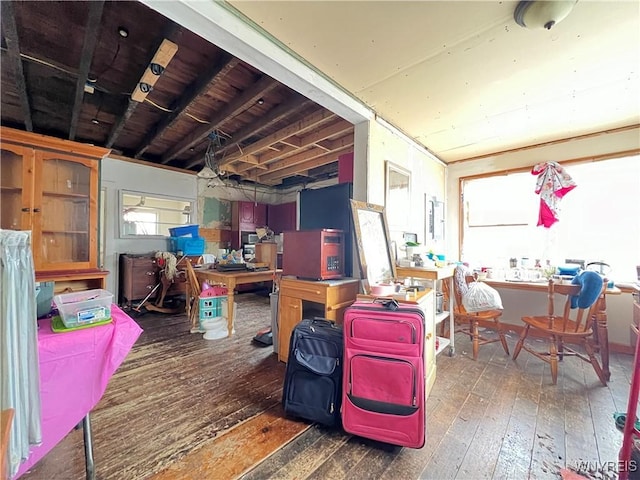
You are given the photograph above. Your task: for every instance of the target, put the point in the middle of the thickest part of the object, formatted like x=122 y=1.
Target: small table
x=75 y=368
x=434 y=274
x=231 y=280
x=601 y=334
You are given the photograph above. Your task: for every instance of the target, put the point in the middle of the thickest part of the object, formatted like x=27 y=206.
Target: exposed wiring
x=160 y=107
x=115 y=55
x=196 y=118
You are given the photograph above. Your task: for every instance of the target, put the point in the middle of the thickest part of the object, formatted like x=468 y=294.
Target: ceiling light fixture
x=537 y=14
x=123 y=32
x=260 y=101
x=207 y=173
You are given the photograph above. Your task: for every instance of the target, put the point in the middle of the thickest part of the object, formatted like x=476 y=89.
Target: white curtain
x=20 y=387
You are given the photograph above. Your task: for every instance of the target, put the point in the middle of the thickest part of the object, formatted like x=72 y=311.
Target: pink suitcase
x=383 y=395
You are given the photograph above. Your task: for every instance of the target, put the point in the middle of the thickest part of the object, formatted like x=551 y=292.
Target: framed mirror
x=397 y=196
x=372 y=240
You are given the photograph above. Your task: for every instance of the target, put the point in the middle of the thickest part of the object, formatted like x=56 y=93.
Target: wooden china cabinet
x=50 y=186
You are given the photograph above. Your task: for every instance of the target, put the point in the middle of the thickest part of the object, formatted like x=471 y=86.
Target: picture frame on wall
x=397 y=196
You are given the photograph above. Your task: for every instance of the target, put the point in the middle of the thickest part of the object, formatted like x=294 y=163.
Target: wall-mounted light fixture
x=542 y=13
x=160 y=60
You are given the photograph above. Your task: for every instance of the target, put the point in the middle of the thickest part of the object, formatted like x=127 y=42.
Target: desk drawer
x=312 y=293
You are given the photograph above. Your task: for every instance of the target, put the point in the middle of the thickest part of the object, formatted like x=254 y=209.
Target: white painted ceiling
x=462 y=78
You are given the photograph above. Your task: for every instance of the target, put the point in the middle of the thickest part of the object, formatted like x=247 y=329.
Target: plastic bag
x=480 y=297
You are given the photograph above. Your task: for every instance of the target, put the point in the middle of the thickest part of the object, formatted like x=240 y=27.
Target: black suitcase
x=313 y=378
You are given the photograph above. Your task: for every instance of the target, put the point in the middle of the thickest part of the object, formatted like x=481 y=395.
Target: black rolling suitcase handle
x=389 y=304
x=322 y=322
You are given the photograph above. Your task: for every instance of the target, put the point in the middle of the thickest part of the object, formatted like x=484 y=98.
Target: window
x=146 y=215
x=599 y=219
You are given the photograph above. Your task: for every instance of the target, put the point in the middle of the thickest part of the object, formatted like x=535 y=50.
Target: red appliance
x=314 y=254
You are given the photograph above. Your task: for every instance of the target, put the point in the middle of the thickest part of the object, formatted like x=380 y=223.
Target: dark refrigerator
x=330 y=207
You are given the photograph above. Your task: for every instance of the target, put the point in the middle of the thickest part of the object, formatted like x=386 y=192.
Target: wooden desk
x=231 y=280
x=434 y=274
x=601 y=334
x=334 y=295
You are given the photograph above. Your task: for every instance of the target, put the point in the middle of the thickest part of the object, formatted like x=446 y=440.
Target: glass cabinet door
x=65 y=211
x=16 y=169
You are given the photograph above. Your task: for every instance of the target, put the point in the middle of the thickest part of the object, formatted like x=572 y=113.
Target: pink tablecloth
x=75 y=368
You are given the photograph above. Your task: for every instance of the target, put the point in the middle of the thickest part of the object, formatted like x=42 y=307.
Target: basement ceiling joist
x=74 y=70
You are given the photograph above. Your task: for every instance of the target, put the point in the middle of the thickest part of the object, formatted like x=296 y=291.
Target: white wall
x=116 y=175
x=427 y=175
x=517 y=303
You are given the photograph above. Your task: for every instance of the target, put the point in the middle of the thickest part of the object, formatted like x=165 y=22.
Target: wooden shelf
x=83 y=196
x=65 y=232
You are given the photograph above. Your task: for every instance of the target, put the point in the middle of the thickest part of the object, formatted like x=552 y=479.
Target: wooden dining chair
x=470 y=322
x=573 y=326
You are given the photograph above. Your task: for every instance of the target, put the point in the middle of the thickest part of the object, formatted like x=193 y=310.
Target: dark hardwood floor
x=181 y=407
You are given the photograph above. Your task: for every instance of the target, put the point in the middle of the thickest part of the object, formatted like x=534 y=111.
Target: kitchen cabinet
x=329 y=297
x=282 y=217
x=249 y=215
x=50 y=186
x=246 y=217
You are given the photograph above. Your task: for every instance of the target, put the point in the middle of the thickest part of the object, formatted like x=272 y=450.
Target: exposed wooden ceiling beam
x=233 y=108
x=287 y=108
x=169 y=31
x=304 y=165
x=198 y=87
x=13 y=49
x=306 y=123
x=336 y=128
x=88 y=46
x=291 y=164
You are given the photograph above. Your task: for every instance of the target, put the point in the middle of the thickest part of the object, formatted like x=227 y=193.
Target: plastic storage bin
x=187 y=245
x=79 y=308
x=185 y=231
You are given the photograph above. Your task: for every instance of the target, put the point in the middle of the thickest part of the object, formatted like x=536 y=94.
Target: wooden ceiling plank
x=288 y=107
x=266 y=157
x=299 y=158
x=233 y=108
x=304 y=165
x=311 y=138
x=292 y=142
x=306 y=123
x=324 y=145
x=88 y=47
x=197 y=88
x=13 y=49
x=168 y=31
x=252 y=159
x=340 y=142
x=250 y=168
